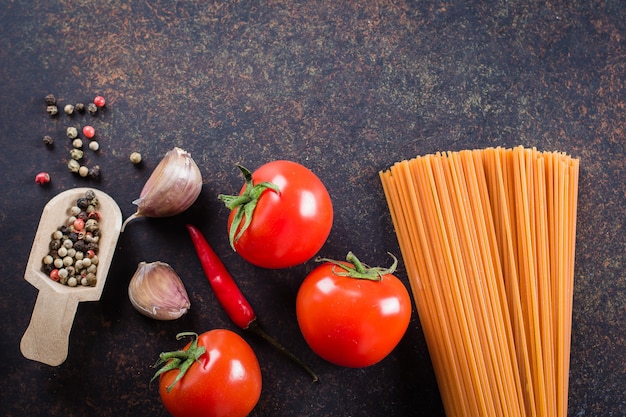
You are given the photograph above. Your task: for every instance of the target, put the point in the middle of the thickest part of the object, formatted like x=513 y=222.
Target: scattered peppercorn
x=99 y=101
x=76 y=154
x=68 y=109
x=135 y=157
x=42 y=178
x=79 y=107
x=47 y=140
x=77 y=143
x=73 y=165
x=94 y=172
x=51 y=100
x=52 y=110
x=94 y=145
x=83 y=171
x=71 y=132
x=92 y=108
x=89 y=132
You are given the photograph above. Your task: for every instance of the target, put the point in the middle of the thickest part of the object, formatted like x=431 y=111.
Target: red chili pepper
x=230 y=296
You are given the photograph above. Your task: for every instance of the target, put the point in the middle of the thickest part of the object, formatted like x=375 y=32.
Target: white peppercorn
x=83 y=171
x=94 y=145
x=77 y=143
x=52 y=110
x=68 y=109
x=135 y=157
x=72 y=282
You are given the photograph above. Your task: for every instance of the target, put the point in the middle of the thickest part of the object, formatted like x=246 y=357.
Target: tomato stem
x=359 y=270
x=245 y=204
x=179 y=359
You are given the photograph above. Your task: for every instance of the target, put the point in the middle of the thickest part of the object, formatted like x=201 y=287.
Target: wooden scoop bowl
x=46 y=339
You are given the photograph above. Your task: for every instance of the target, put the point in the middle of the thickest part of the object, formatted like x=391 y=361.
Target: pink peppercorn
x=79 y=224
x=42 y=178
x=89 y=132
x=54 y=275
x=99 y=101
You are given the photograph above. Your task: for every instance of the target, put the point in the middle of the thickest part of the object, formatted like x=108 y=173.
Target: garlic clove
x=156 y=291
x=172 y=188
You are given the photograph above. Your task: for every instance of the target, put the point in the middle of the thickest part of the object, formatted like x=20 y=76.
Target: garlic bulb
x=157 y=291
x=173 y=187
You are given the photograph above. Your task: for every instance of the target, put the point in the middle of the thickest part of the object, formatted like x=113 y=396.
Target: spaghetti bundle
x=487 y=237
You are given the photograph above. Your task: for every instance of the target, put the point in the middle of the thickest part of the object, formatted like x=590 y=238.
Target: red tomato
x=290 y=227
x=349 y=321
x=224 y=381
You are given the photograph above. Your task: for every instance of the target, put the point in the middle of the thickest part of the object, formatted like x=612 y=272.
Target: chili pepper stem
x=255 y=327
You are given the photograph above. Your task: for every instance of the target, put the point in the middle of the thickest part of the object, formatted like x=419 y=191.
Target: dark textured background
x=345 y=87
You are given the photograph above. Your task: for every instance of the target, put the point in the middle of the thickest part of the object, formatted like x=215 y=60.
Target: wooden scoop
x=46 y=339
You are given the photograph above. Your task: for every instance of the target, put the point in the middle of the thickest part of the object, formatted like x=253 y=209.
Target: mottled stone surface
x=346 y=88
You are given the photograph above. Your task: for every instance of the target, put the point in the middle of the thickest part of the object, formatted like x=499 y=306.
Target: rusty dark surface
x=346 y=88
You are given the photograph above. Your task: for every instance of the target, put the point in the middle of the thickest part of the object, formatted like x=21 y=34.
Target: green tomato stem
x=179 y=359
x=245 y=204
x=359 y=270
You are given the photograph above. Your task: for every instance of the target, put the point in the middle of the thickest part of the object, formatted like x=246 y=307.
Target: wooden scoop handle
x=46 y=339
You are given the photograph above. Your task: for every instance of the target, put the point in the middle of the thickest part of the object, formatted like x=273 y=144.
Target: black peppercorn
x=82 y=215
x=79 y=107
x=80 y=246
x=92 y=108
x=55 y=244
x=51 y=100
x=90 y=195
x=48 y=268
x=64 y=229
x=82 y=203
x=73 y=236
x=92 y=246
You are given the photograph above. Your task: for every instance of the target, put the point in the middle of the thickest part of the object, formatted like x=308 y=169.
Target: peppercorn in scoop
x=72 y=258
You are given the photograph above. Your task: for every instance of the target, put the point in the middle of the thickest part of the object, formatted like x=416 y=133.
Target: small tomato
x=352 y=315
x=223 y=377
x=281 y=217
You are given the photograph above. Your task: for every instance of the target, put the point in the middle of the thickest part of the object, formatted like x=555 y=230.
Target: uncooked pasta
x=488 y=240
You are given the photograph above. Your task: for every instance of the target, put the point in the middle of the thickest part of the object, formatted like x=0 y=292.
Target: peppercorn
x=52 y=110
x=89 y=132
x=83 y=203
x=76 y=154
x=47 y=140
x=94 y=172
x=51 y=100
x=99 y=101
x=79 y=107
x=68 y=109
x=73 y=165
x=71 y=132
x=94 y=145
x=42 y=178
x=54 y=244
x=77 y=143
x=92 y=108
x=135 y=157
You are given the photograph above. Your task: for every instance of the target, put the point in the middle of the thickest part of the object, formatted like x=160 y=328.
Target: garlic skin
x=156 y=291
x=172 y=188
